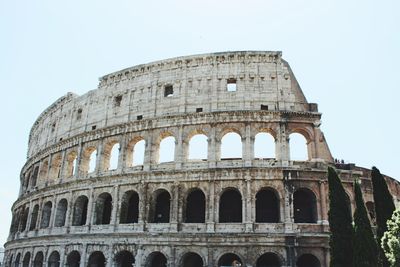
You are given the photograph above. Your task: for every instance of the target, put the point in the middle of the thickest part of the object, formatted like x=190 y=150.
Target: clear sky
x=345 y=55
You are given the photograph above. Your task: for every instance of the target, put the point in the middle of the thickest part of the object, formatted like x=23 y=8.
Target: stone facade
x=75 y=209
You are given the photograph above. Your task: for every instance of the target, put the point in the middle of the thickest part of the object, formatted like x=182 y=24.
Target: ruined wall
x=118 y=216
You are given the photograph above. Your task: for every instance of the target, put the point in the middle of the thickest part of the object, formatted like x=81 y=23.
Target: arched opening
x=27 y=260
x=17 y=261
x=10 y=261
x=268 y=260
x=24 y=219
x=138 y=153
x=55 y=166
x=71 y=164
x=192 y=259
x=305 y=206
x=61 y=213
x=156 y=259
x=43 y=170
x=80 y=211
x=34 y=218
x=230 y=259
x=167 y=150
x=195 y=207
x=88 y=160
x=230 y=206
x=198 y=147
x=110 y=156
x=267 y=206
x=34 y=176
x=161 y=207
x=103 y=209
x=264 y=146
x=124 y=259
x=46 y=214
x=371 y=211
x=298 y=147
x=130 y=207
x=308 y=260
x=73 y=259
x=231 y=146
x=38 y=261
x=97 y=259
x=54 y=259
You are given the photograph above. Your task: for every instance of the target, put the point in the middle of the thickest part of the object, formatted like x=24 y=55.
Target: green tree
x=391 y=240
x=365 y=253
x=340 y=223
x=384 y=208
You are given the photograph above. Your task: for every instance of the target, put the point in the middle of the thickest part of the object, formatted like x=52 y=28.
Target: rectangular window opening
x=199 y=109
x=231 y=85
x=139 y=117
x=264 y=107
x=94 y=127
x=168 y=91
x=117 y=101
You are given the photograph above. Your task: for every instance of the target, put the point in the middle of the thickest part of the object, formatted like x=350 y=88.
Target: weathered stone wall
x=132 y=105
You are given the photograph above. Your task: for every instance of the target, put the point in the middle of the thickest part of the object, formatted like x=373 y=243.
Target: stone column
x=210 y=220
x=179 y=149
x=282 y=145
x=248 y=207
x=53 y=211
x=83 y=262
x=78 y=161
x=115 y=209
x=91 y=204
x=212 y=148
x=99 y=158
x=323 y=207
x=174 y=207
x=248 y=146
x=122 y=154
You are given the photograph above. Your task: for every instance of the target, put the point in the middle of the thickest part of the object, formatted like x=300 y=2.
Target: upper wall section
x=261 y=79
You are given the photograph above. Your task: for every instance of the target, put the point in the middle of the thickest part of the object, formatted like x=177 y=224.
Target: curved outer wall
x=136 y=104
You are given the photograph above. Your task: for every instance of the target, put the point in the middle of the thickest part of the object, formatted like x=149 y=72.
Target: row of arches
x=194 y=206
x=88 y=161
x=155 y=259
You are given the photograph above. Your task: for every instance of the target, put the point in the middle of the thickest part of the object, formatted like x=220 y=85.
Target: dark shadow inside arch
x=195 y=207
x=61 y=213
x=97 y=259
x=103 y=209
x=130 y=207
x=80 y=211
x=192 y=259
x=17 y=261
x=124 y=259
x=34 y=218
x=267 y=206
x=230 y=207
x=27 y=259
x=54 y=259
x=46 y=214
x=308 y=260
x=73 y=259
x=162 y=207
x=229 y=259
x=156 y=259
x=305 y=206
x=24 y=220
x=268 y=260
x=38 y=261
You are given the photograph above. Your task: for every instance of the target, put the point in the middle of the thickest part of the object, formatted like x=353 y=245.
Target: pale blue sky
x=345 y=55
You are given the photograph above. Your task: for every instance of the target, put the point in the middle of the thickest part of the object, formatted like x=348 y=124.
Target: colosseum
x=181 y=162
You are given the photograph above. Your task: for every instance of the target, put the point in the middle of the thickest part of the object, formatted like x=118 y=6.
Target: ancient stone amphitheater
x=181 y=162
